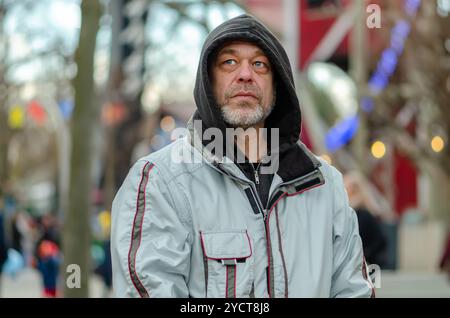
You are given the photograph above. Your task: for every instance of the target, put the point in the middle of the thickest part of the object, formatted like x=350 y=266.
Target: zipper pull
x=265 y=212
x=256 y=177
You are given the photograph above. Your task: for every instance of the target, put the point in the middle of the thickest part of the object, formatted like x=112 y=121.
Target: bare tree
x=76 y=235
x=56 y=60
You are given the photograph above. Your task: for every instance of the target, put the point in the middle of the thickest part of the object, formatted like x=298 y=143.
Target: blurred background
x=88 y=87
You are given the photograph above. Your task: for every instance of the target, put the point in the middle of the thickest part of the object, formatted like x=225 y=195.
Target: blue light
x=341 y=133
x=398 y=44
x=378 y=82
x=412 y=6
x=402 y=28
x=389 y=59
x=388 y=62
x=344 y=131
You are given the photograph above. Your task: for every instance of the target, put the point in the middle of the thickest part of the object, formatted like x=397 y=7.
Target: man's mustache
x=233 y=91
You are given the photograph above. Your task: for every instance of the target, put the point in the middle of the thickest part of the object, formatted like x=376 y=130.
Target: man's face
x=242 y=82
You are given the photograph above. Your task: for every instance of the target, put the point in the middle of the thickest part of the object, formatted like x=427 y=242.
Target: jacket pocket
x=228 y=263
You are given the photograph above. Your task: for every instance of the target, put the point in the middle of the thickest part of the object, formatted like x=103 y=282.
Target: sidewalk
x=393 y=284
x=413 y=285
x=28 y=285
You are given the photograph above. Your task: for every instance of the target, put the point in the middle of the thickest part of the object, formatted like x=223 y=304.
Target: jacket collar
x=295 y=162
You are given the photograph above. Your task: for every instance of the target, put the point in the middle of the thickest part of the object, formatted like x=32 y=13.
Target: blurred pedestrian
x=105 y=268
x=3 y=246
x=48 y=256
x=17 y=234
x=372 y=236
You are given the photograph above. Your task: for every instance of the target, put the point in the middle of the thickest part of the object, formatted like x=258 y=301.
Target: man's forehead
x=234 y=47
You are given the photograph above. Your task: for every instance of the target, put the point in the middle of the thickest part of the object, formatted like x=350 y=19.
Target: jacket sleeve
x=150 y=236
x=350 y=276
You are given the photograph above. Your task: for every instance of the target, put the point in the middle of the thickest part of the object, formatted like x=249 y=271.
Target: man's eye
x=260 y=64
x=230 y=62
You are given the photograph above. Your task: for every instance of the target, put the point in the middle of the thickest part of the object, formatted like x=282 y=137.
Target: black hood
x=286 y=115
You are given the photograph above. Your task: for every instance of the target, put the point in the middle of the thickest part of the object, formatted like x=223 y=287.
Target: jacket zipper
x=256 y=177
x=266 y=227
x=256 y=173
x=266 y=214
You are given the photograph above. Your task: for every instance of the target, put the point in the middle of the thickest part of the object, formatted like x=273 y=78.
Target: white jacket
x=189 y=230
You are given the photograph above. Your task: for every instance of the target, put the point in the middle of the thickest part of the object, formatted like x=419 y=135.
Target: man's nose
x=245 y=73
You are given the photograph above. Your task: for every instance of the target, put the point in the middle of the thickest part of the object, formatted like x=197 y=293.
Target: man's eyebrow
x=258 y=52
x=228 y=51
x=232 y=51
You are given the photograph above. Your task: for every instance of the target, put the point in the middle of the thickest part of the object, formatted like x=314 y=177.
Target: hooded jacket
x=197 y=228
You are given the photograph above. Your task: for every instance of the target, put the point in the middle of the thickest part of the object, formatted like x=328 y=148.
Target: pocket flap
x=226 y=245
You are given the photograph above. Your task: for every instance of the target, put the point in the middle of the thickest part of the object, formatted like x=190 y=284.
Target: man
x=220 y=227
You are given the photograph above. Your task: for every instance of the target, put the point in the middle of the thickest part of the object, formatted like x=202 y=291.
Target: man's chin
x=243 y=105
x=240 y=118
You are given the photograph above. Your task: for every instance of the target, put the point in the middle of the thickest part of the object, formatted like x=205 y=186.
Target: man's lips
x=245 y=94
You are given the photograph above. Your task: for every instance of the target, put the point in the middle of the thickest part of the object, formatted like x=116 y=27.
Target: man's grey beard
x=244 y=119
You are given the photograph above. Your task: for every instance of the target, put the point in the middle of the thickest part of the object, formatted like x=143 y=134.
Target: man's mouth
x=245 y=95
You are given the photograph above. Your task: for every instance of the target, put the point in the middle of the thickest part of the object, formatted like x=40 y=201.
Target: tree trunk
x=358 y=65
x=76 y=240
x=124 y=135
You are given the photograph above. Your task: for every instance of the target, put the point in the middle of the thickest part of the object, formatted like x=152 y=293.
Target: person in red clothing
x=48 y=256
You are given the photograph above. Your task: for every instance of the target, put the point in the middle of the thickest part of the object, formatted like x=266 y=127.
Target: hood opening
x=286 y=115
